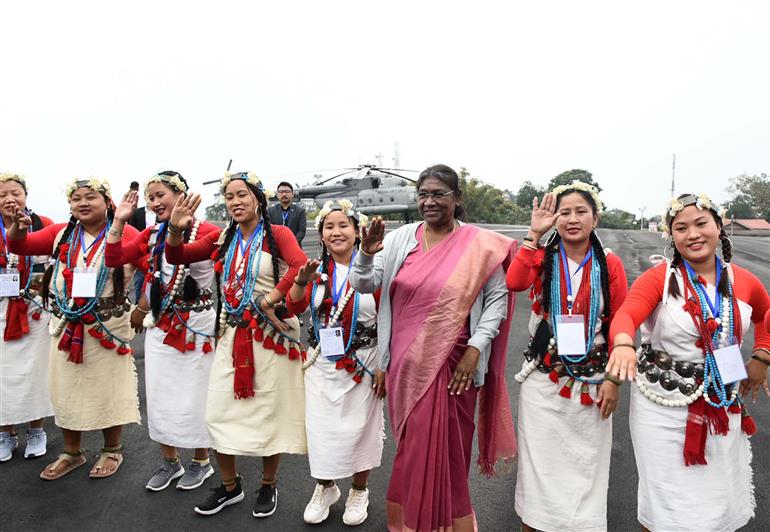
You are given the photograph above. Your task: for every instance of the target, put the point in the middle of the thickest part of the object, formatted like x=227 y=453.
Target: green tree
x=618 y=219
x=566 y=178
x=486 y=203
x=750 y=196
x=527 y=191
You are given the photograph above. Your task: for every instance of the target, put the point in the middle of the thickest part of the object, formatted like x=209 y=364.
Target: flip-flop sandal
x=73 y=461
x=112 y=454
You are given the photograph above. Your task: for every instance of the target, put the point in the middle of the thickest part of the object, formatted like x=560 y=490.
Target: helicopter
x=371 y=189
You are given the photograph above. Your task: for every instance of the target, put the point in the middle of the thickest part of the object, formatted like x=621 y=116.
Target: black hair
x=230 y=232
x=118 y=281
x=676 y=261
x=598 y=254
x=134 y=185
x=285 y=184
x=449 y=177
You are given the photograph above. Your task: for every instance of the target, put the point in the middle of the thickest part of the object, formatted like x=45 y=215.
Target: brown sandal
x=108 y=453
x=73 y=461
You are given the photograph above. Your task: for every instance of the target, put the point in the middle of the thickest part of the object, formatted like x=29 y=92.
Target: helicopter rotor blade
x=397 y=175
x=326 y=180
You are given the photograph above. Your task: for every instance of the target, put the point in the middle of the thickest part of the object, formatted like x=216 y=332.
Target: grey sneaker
x=8 y=444
x=164 y=475
x=195 y=476
x=37 y=442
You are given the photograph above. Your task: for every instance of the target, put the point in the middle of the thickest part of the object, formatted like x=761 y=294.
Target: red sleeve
x=36 y=243
x=524 y=268
x=298 y=307
x=196 y=251
x=618 y=287
x=117 y=254
x=645 y=294
x=749 y=288
x=767 y=320
x=290 y=252
x=45 y=220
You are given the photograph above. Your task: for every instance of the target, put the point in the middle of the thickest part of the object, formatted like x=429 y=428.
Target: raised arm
x=40 y=242
x=366 y=273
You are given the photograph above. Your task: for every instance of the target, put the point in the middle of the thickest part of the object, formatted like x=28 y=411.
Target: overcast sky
x=512 y=91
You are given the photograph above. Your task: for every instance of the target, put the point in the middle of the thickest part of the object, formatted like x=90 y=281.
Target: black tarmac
x=121 y=502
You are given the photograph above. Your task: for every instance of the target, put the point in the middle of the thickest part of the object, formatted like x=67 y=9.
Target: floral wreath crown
x=675 y=205
x=250 y=177
x=344 y=205
x=99 y=185
x=583 y=187
x=8 y=176
x=172 y=180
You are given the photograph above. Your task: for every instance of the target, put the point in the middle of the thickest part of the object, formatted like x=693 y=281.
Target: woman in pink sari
x=443 y=327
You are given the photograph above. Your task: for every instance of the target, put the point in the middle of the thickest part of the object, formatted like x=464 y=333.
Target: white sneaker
x=317 y=510
x=36 y=443
x=8 y=444
x=355 y=507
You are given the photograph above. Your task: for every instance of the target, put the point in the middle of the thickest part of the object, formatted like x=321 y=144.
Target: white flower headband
x=99 y=185
x=250 y=177
x=583 y=187
x=172 y=180
x=344 y=205
x=675 y=205
x=7 y=176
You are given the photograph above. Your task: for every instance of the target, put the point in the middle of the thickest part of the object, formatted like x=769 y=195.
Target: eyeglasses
x=285 y=191
x=435 y=196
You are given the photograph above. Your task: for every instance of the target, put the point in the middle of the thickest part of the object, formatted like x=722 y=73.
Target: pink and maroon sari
x=432 y=296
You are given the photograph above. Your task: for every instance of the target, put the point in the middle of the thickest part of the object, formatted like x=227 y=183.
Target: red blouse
x=41 y=242
x=527 y=265
x=647 y=292
x=118 y=254
x=203 y=247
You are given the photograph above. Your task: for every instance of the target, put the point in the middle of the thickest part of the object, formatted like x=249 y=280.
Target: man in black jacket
x=292 y=215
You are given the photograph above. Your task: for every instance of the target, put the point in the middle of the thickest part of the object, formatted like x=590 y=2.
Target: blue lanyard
x=247 y=245
x=83 y=242
x=337 y=293
x=5 y=240
x=714 y=306
x=160 y=239
x=285 y=214
x=567 y=276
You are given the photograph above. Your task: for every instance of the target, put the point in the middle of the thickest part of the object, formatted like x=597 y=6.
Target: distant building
x=747 y=226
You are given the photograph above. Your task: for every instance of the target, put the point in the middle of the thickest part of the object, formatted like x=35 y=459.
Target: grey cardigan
x=370 y=273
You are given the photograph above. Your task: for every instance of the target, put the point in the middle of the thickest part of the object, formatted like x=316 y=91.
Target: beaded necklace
x=723 y=310
x=593 y=315
x=253 y=248
x=316 y=322
x=65 y=304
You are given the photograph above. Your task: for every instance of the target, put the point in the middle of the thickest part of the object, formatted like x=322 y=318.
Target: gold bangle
x=115 y=233
x=140 y=309
x=612 y=379
x=173 y=229
x=528 y=246
x=269 y=301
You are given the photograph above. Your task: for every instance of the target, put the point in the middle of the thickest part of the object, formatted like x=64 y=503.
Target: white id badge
x=84 y=282
x=9 y=283
x=730 y=364
x=570 y=335
x=332 y=344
